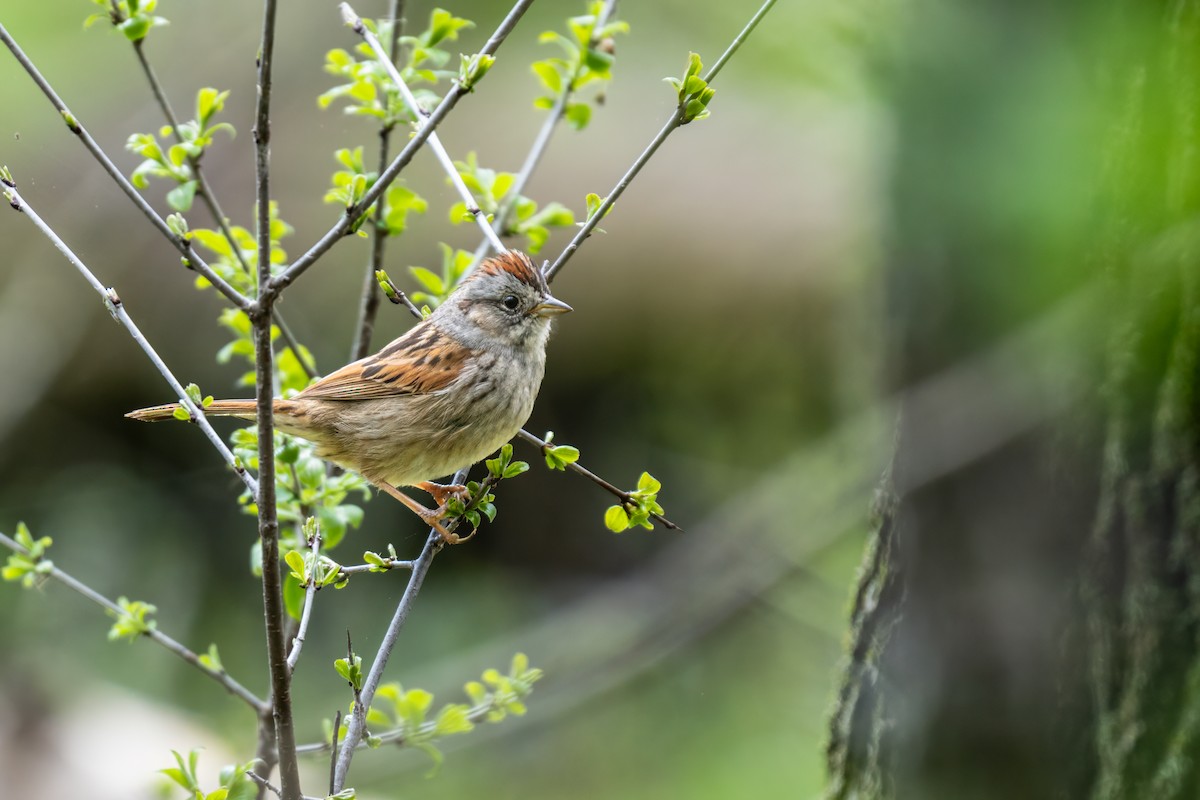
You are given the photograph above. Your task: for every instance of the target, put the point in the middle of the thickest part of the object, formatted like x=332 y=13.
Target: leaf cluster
x=587 y=59
x=178 y=162
x=408 y=717
x=637 y=508
x=235 y=783
x=30 y=567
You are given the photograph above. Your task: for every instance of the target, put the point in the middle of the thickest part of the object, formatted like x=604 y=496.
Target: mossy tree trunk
x=1027 y=624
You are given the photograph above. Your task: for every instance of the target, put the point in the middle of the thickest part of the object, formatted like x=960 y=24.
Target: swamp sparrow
x=450 y=391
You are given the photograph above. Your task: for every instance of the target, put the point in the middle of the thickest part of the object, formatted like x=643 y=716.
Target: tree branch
x=191 y=259
x=309 y=592
x=579 y=469
x=209 y=198
x=154 y=634
x=117 y=309
x=671 y=125
x=268 y=519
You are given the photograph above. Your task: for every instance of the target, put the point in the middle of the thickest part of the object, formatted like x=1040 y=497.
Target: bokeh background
x=726 y=338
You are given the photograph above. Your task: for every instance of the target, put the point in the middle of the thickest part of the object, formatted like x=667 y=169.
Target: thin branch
x=209 y=198
x=422 y=118
x=334 y=234
x=673 y=123
x=578 y=469
x=397 y=736
x=356 y=727
x=388 y=564
x=117 y=308
x=191 y=259
x=264 y=356
x=309 y=592
x=154 y=634
x=541 y=142
x=368 y=307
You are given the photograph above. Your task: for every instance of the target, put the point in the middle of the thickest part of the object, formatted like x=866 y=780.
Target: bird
x=451 y=390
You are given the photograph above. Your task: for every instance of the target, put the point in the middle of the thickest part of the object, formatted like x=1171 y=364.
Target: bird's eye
x=510 y=302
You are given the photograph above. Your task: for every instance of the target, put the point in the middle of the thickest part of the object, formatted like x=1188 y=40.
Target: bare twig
x=334 y=234
x=422 y=118
x=191 y=258
x=154 y=634
x=117 y=308
x=309 y=592
x=578 y=469
x=674 y=122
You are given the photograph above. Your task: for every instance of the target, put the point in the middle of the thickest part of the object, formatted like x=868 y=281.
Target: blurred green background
x=725 y=338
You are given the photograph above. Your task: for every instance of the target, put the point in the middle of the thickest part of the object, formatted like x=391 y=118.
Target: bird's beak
x=551 y=307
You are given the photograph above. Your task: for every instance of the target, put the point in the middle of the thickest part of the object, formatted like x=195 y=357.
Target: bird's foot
x=430 y=516
x=443 y=492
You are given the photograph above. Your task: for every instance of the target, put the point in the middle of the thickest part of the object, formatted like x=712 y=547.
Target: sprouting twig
x=402 y=159
x=476 y=713
x=209 y=198
x=356 y=727
x=357 y=723
x=422 y=118
x=671 y=125
x=154 y=634
x=191 y=258
x=389 y=563
x=368 y=306
x=579 y=469
x=117 y=308
x=540 y=144
x=309 y=592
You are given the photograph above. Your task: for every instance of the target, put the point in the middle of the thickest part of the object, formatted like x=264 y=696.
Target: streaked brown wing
x=421 y=361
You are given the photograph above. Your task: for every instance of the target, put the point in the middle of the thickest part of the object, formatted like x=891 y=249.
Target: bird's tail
x=218 y=408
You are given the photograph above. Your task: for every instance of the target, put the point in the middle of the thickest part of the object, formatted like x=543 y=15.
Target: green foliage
x=693 y=91
x=587 y=60
x=472 y=69
x=308 y=567
x=558 y=456
x=455 y=264
x=369 y=91
x=132 y=621
x=636 y=510
x=503 y=466
x=480 y=500
x=380 y=563
x=305 y=487
x=178 y=162
x=30 y=567
x=134 y=18
x=351 y=669
x=236 y=261
x=212 y=659
x=408 y=715
x=491 y=189
x=354 y=181
x=235 y=784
